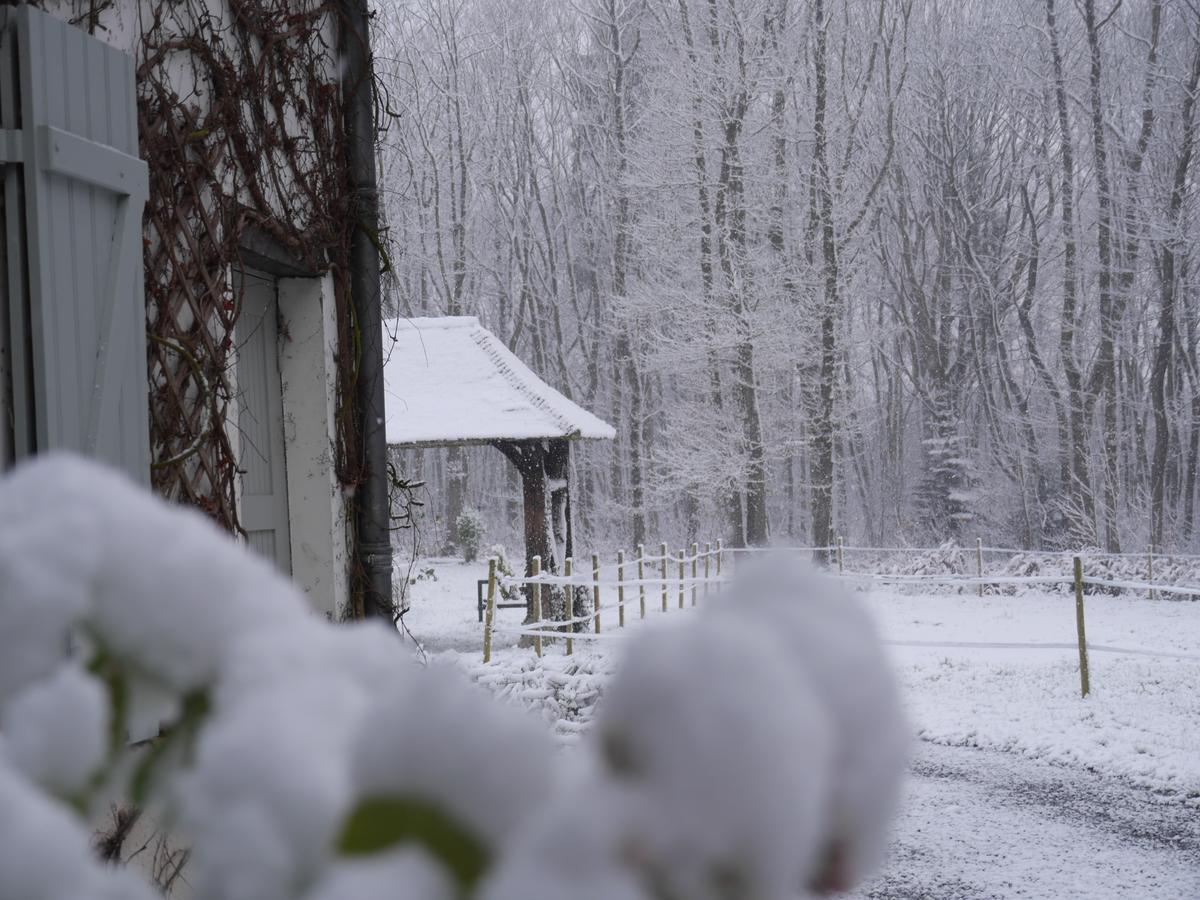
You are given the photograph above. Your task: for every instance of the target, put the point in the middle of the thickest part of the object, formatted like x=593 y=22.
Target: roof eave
x=488 y=441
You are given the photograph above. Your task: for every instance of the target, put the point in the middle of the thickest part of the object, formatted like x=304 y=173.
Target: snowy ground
x=1019 y=788
x=985 y=824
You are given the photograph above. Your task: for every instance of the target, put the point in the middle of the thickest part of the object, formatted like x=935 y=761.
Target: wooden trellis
x=250 y=139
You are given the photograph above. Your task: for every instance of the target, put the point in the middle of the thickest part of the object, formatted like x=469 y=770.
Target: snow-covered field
x=1141 y=721
x=996 y=723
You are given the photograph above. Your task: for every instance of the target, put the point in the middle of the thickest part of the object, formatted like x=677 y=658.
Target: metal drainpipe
x=374 y=549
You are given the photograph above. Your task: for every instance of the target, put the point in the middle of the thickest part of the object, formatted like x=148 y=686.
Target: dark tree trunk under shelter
x=544 y=467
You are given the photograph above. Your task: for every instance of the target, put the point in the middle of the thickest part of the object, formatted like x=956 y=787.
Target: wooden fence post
x=620 y=588
x=841 y=555
x=491 y=611
x=641 y=550
x=720 y=553
x=707 y=561
x=1150 y=569
x=682 y=575
x=537 y=604
x=695 y=569
x=663 y=548
x=596 y=589
x=568 y=604
x=979 y=561
x=1083 y=658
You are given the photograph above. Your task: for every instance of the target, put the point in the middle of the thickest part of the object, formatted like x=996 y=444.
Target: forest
x=906 y=271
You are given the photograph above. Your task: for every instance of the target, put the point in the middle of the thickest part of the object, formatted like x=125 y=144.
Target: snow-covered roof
x=449 y=380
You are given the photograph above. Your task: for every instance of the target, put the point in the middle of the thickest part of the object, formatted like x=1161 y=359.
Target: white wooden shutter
x=74 y=190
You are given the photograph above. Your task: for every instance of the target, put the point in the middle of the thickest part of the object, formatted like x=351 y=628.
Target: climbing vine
x=240 y=123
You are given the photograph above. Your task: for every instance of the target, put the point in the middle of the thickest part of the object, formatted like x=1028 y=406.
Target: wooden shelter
x=449 y=381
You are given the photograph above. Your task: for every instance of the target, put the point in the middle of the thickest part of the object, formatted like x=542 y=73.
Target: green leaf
x=380 y=823
x=108 y=670
x=194 y=712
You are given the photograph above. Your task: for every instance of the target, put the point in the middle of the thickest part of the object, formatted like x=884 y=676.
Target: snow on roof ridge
x=450 y=380
x=520 y=376
x=423 y=323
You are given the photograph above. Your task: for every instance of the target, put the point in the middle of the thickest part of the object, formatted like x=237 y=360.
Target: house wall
x=313 y=232
x=287 y=188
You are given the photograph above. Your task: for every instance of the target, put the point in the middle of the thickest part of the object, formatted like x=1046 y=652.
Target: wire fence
x=951 y=564
x=684 y=578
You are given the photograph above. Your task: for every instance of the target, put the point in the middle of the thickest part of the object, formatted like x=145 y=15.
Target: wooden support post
x=841 y=556
x=707 y=561
x=979 y=562
x=596 y=589
x=568 y=604
x=1083 y=657
x=537 y=604
x=663 y=550
x=1150 y=570
x=620 y=588
x=695 y=570
x=491 y=611
x=641 y=550
x=682 y=575
x=720 y=553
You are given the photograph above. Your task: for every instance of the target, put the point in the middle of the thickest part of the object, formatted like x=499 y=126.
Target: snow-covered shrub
x=1137 y=568
x=509 y=592
x=469 y=532
x=946 y=559
x=44 y=853
x=707 y=825
x=833 y=640
x=308 y=761
x=554 y=599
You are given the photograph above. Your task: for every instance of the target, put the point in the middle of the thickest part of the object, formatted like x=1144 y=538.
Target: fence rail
x=1155 y=552
x=674 y=579
x=836 y=554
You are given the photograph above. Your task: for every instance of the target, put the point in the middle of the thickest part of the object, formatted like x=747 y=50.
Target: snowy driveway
x=985 y=824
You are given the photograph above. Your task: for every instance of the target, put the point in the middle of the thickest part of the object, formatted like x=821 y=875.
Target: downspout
x=373 y=549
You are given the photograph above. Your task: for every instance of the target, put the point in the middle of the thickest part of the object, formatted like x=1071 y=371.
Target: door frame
x=307 y=354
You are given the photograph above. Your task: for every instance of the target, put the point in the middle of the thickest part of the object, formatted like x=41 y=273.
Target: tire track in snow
x=984 y=824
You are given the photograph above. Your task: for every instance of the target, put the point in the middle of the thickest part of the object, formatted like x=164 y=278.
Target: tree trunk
x=558 y=467
x=1166 y=315
x=1082 y=509
x=1193 y=466
x=626 y=370
x=456 y=492
x=529 y=458
x=729 y=496
x=823 y=423
x=1104 y=379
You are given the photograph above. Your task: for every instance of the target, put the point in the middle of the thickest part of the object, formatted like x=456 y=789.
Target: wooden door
x=263 y=464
